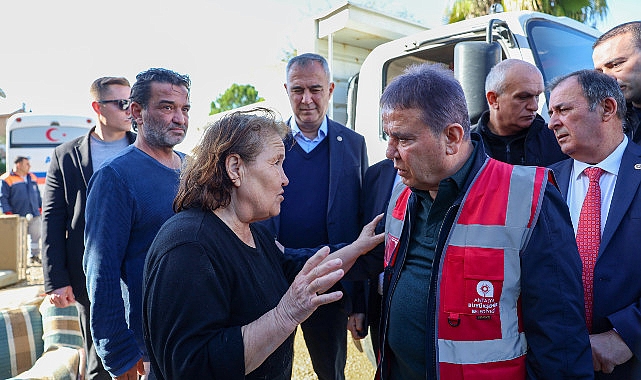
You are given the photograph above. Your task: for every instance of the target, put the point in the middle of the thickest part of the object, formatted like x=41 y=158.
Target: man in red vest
x=482 y=274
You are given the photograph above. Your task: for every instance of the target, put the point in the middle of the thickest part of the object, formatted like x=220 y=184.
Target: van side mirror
x=472 y=62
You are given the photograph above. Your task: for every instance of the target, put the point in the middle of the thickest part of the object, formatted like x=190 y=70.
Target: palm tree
x=586 y=11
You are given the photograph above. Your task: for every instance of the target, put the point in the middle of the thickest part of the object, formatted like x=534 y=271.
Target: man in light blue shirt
x=325 y=165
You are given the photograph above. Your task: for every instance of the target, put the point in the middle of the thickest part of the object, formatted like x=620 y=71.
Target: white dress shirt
x=579 y=182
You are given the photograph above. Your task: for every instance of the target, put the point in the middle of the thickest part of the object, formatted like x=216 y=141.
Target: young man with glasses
x=72 y=165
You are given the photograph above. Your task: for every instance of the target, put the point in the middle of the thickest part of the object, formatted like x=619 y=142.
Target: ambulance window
x=45 y=136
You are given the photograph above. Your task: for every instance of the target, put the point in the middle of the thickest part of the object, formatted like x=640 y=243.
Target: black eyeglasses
x=123 y=104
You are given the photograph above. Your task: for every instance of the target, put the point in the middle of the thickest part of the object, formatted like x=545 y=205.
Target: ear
x=136 y=112
x=234 y=167
x=492 y=97
x=609 y=108
x=331 y=88
x=286 y=90
x=96 y=107
x=454 y=135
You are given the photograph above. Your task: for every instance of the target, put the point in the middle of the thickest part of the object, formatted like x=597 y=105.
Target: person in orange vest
x=482 y=275
x=20 y=196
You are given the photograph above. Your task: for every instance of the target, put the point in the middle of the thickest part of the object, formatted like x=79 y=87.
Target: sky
x=53 y=50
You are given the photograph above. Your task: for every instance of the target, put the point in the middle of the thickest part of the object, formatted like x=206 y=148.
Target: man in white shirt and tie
x=587 y=109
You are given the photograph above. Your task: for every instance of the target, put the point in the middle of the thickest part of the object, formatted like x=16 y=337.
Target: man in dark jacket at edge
x=509 y=306
x=511 y=130
x=617 y=53
x=72 y=165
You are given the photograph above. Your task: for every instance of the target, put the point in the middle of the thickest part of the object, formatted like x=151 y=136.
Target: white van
x=35 y=136
x=556 y=45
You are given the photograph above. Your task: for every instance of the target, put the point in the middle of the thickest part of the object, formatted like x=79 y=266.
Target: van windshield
x=559 y=49
x=43 y=137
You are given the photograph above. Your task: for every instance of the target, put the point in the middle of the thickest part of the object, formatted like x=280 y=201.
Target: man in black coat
x=511 y=130
x=378 y=183
x=617 y=53
x=72 y=165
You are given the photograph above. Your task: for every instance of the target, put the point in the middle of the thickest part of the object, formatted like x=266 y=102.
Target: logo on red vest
x=485 y=289
x=485 y=304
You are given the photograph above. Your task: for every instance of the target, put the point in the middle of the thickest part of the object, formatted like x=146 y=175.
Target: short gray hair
x=434 y=91
x=633 y=27
x=306 y=59
x=495 y=80
x=596 y=87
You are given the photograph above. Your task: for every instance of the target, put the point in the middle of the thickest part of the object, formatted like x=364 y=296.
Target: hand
x=132 y=374
x=608 y=351
x=306 y=293
x=355 y=325
x=62 y=297
x=368 y=239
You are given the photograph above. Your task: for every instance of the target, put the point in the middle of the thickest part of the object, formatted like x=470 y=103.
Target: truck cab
x=556 y=45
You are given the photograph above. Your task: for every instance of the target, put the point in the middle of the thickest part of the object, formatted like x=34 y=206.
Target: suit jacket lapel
x=84 y=157
x=388 y=179
x=562 y=172
x=625 y=190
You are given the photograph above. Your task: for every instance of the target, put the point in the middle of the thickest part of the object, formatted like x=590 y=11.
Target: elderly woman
x=221 y=300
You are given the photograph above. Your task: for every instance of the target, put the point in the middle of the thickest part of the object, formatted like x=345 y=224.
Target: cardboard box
x=14 y=244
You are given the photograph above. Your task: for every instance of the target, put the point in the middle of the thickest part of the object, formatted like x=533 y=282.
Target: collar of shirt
x=308 y=144
x=610 y=164
x=579 y=183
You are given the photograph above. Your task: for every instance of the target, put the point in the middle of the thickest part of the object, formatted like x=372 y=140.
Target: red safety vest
x=480 y=332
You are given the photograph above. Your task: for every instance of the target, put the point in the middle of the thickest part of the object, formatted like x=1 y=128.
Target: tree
x=585 y=11
x=235 y=96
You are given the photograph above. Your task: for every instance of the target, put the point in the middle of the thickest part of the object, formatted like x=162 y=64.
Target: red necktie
x=588 y=237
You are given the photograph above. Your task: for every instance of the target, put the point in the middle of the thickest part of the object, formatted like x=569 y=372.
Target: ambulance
x=35 y=136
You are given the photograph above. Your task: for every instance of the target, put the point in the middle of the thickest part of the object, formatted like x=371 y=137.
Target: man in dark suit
x=587 y=109
x=378 y=183
x=325 y=164
x=72 y=165
x=618 y=53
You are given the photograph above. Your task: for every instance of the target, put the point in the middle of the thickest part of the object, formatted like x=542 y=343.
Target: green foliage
x=235 y=96
x=289 y=54
x=585 y=11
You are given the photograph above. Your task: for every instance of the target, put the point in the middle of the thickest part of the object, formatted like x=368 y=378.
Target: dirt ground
x=358 y=365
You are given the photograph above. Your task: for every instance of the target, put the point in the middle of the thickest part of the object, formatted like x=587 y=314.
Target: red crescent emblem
x=48 y=134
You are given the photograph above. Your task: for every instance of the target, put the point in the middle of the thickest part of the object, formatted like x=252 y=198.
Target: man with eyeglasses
x=72 y=165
